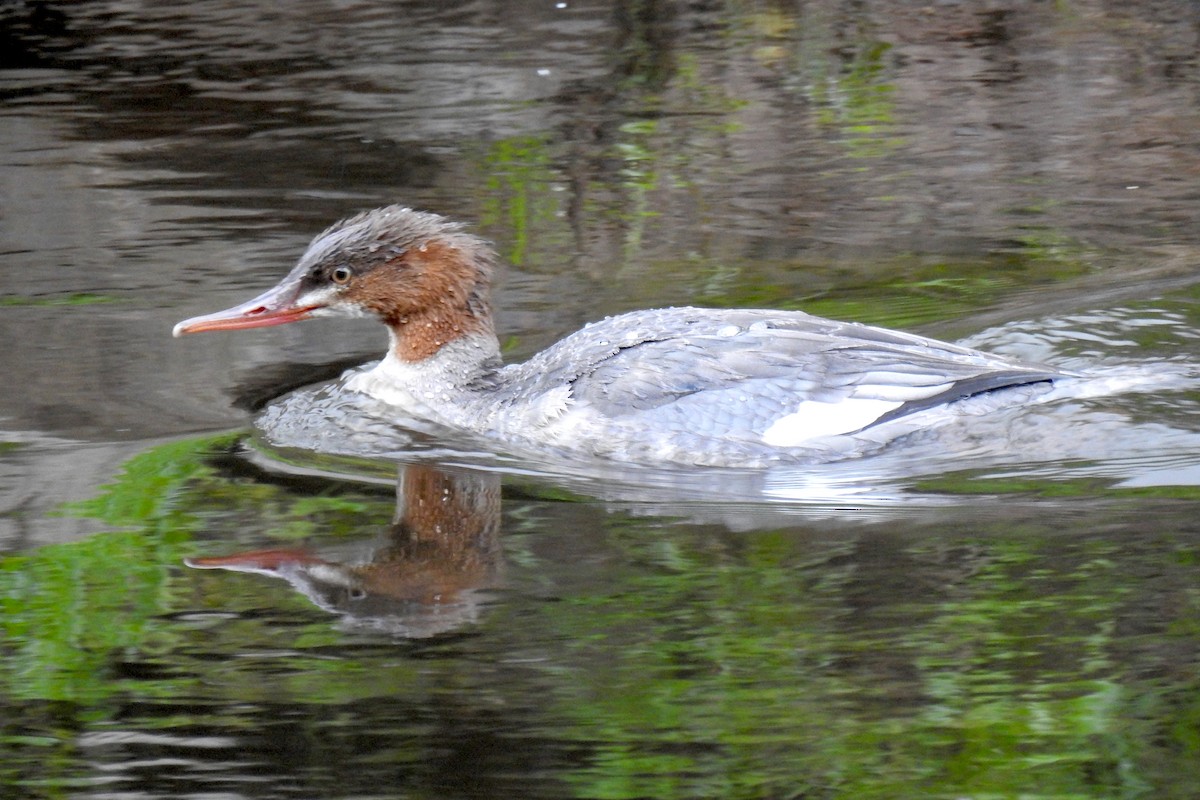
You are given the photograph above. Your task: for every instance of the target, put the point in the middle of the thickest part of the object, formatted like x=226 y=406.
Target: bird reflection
x=429 y=574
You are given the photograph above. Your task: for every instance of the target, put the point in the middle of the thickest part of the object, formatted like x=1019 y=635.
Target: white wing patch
x=813 y=419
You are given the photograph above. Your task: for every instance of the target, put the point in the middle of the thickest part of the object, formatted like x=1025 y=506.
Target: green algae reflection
x=986 y=652
x=716 y=672
x=76 y=614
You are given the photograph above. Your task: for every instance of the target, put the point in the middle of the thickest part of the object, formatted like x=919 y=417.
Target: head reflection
x=427 y=576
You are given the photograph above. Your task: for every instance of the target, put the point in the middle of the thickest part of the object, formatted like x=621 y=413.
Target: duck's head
x=419 y=273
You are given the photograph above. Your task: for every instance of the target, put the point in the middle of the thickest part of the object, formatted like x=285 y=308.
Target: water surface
x=1010 y=611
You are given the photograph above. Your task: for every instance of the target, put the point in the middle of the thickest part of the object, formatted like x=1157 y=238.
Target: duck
x=679 y=386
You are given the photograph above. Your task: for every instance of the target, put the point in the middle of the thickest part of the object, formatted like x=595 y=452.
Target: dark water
x=191 y=611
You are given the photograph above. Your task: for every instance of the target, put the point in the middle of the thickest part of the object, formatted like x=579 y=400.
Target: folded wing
x=780 y=377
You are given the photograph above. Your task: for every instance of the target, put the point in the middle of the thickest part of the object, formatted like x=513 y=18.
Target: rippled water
x=196 y=605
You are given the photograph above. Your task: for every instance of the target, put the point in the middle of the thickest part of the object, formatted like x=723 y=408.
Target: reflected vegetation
x=949 y=651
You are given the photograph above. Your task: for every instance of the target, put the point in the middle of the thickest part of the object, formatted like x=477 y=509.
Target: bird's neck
x=461 y=359
x=420 y=336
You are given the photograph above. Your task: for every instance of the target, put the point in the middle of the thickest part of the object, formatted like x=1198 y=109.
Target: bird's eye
x=340 y=274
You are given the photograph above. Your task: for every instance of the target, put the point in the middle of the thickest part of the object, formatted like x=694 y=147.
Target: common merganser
x=694 y=386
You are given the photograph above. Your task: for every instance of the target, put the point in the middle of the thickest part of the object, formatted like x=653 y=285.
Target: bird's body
x=677 y=385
